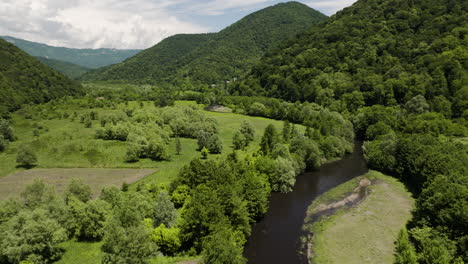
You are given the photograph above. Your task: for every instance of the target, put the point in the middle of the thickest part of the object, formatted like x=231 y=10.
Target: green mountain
x=24 y=80
x=155 y=62
x=213 y=58
x=374 y=52
x=89 y=58
x=69 y=69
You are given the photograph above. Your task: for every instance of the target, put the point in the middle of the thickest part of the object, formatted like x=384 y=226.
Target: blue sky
x=127 y=24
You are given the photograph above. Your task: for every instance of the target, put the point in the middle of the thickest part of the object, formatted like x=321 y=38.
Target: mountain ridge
x=25 y=80
x=89 y=58
x=223 y=55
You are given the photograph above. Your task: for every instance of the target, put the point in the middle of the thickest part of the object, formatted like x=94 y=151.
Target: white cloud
x=93 y=24
x=330 y=7
x=219 y=7
x=125 y=23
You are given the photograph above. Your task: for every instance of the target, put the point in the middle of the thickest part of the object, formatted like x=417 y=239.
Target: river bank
x=357 y=221
x=276 y=238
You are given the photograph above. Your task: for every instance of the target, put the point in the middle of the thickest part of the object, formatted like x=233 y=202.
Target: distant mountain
x=69 y=69
x=24 y=80
x=155 y=63
x=89 y=58
x=375 y=52
x=213 y=58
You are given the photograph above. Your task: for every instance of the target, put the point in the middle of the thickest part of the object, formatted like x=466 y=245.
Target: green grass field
x=364 y=233
x=63 y=143
x=90 y=253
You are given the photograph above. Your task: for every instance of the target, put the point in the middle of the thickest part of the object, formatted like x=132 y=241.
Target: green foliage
x=76 y=188
x=69 y=69
x=32 y=236
x=433 y=247
x=286 y=131
x=90 y=218
x=157 y=150
x=164 y=211
x=89 y=58
x=36 y=194
x=6 y=131
x=402 y=50
x=269 y=139
x=417 y=105
x=26 y=157
x=127 y=244
x=178 y=146
x=112 y=195
x=3 y=143
x=404 y=250
x=239 y=141
x=307 y=150
x=223 y=246
x=201 y=213
x=284 y=176
x=213 y=58
x=248 y=131
x=24 y=80
x=204 y=152
x=209 y=141
x=180 y=195
x=167 y=239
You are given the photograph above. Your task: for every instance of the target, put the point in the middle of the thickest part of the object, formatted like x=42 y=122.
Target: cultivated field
x=13 y=184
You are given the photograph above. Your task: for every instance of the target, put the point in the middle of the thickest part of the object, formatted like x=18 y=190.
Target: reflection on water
x=276 y=239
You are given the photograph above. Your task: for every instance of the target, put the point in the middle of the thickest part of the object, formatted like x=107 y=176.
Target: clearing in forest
x=13 y=184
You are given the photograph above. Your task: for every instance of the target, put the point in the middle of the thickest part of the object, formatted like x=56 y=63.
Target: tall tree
x=269 y=139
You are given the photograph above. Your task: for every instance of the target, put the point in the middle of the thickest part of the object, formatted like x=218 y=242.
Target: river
x=276 y=238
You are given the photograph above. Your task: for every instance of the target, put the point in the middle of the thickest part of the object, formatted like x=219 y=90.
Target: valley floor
x=64 y=143
x=348 y=229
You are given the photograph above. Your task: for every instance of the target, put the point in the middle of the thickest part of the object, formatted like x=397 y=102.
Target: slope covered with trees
x=25 y=80
x=155 y=62
x=374 y=52
x=69 y=69
x=89 y=58
x=214 y=58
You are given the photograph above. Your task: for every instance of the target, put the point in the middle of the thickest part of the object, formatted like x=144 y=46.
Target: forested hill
x=89 y=58
x=23 y=79
x=69 y=69
x=374 y=52
x=153 y=63
x=216 y=57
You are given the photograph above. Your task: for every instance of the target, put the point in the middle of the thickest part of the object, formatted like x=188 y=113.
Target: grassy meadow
x=67 y=143
x=366 y=232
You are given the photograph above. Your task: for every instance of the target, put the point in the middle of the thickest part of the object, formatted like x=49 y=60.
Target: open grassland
x=67 y=143
x=364 y=233
x=13 y=184
x=76 y=252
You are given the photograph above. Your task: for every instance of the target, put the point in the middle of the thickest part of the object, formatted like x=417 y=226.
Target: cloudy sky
x=127 y=24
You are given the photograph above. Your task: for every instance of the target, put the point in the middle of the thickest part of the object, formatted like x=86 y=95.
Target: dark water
x=276 y=239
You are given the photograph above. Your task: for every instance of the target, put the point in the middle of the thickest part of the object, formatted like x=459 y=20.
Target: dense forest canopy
x=24 y=80
x=214 y=58
x=155 y=62
x=69 y=69
x=89 y=58
x=374 y=52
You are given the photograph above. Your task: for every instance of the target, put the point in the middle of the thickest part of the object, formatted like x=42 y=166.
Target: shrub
x=26 y=156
